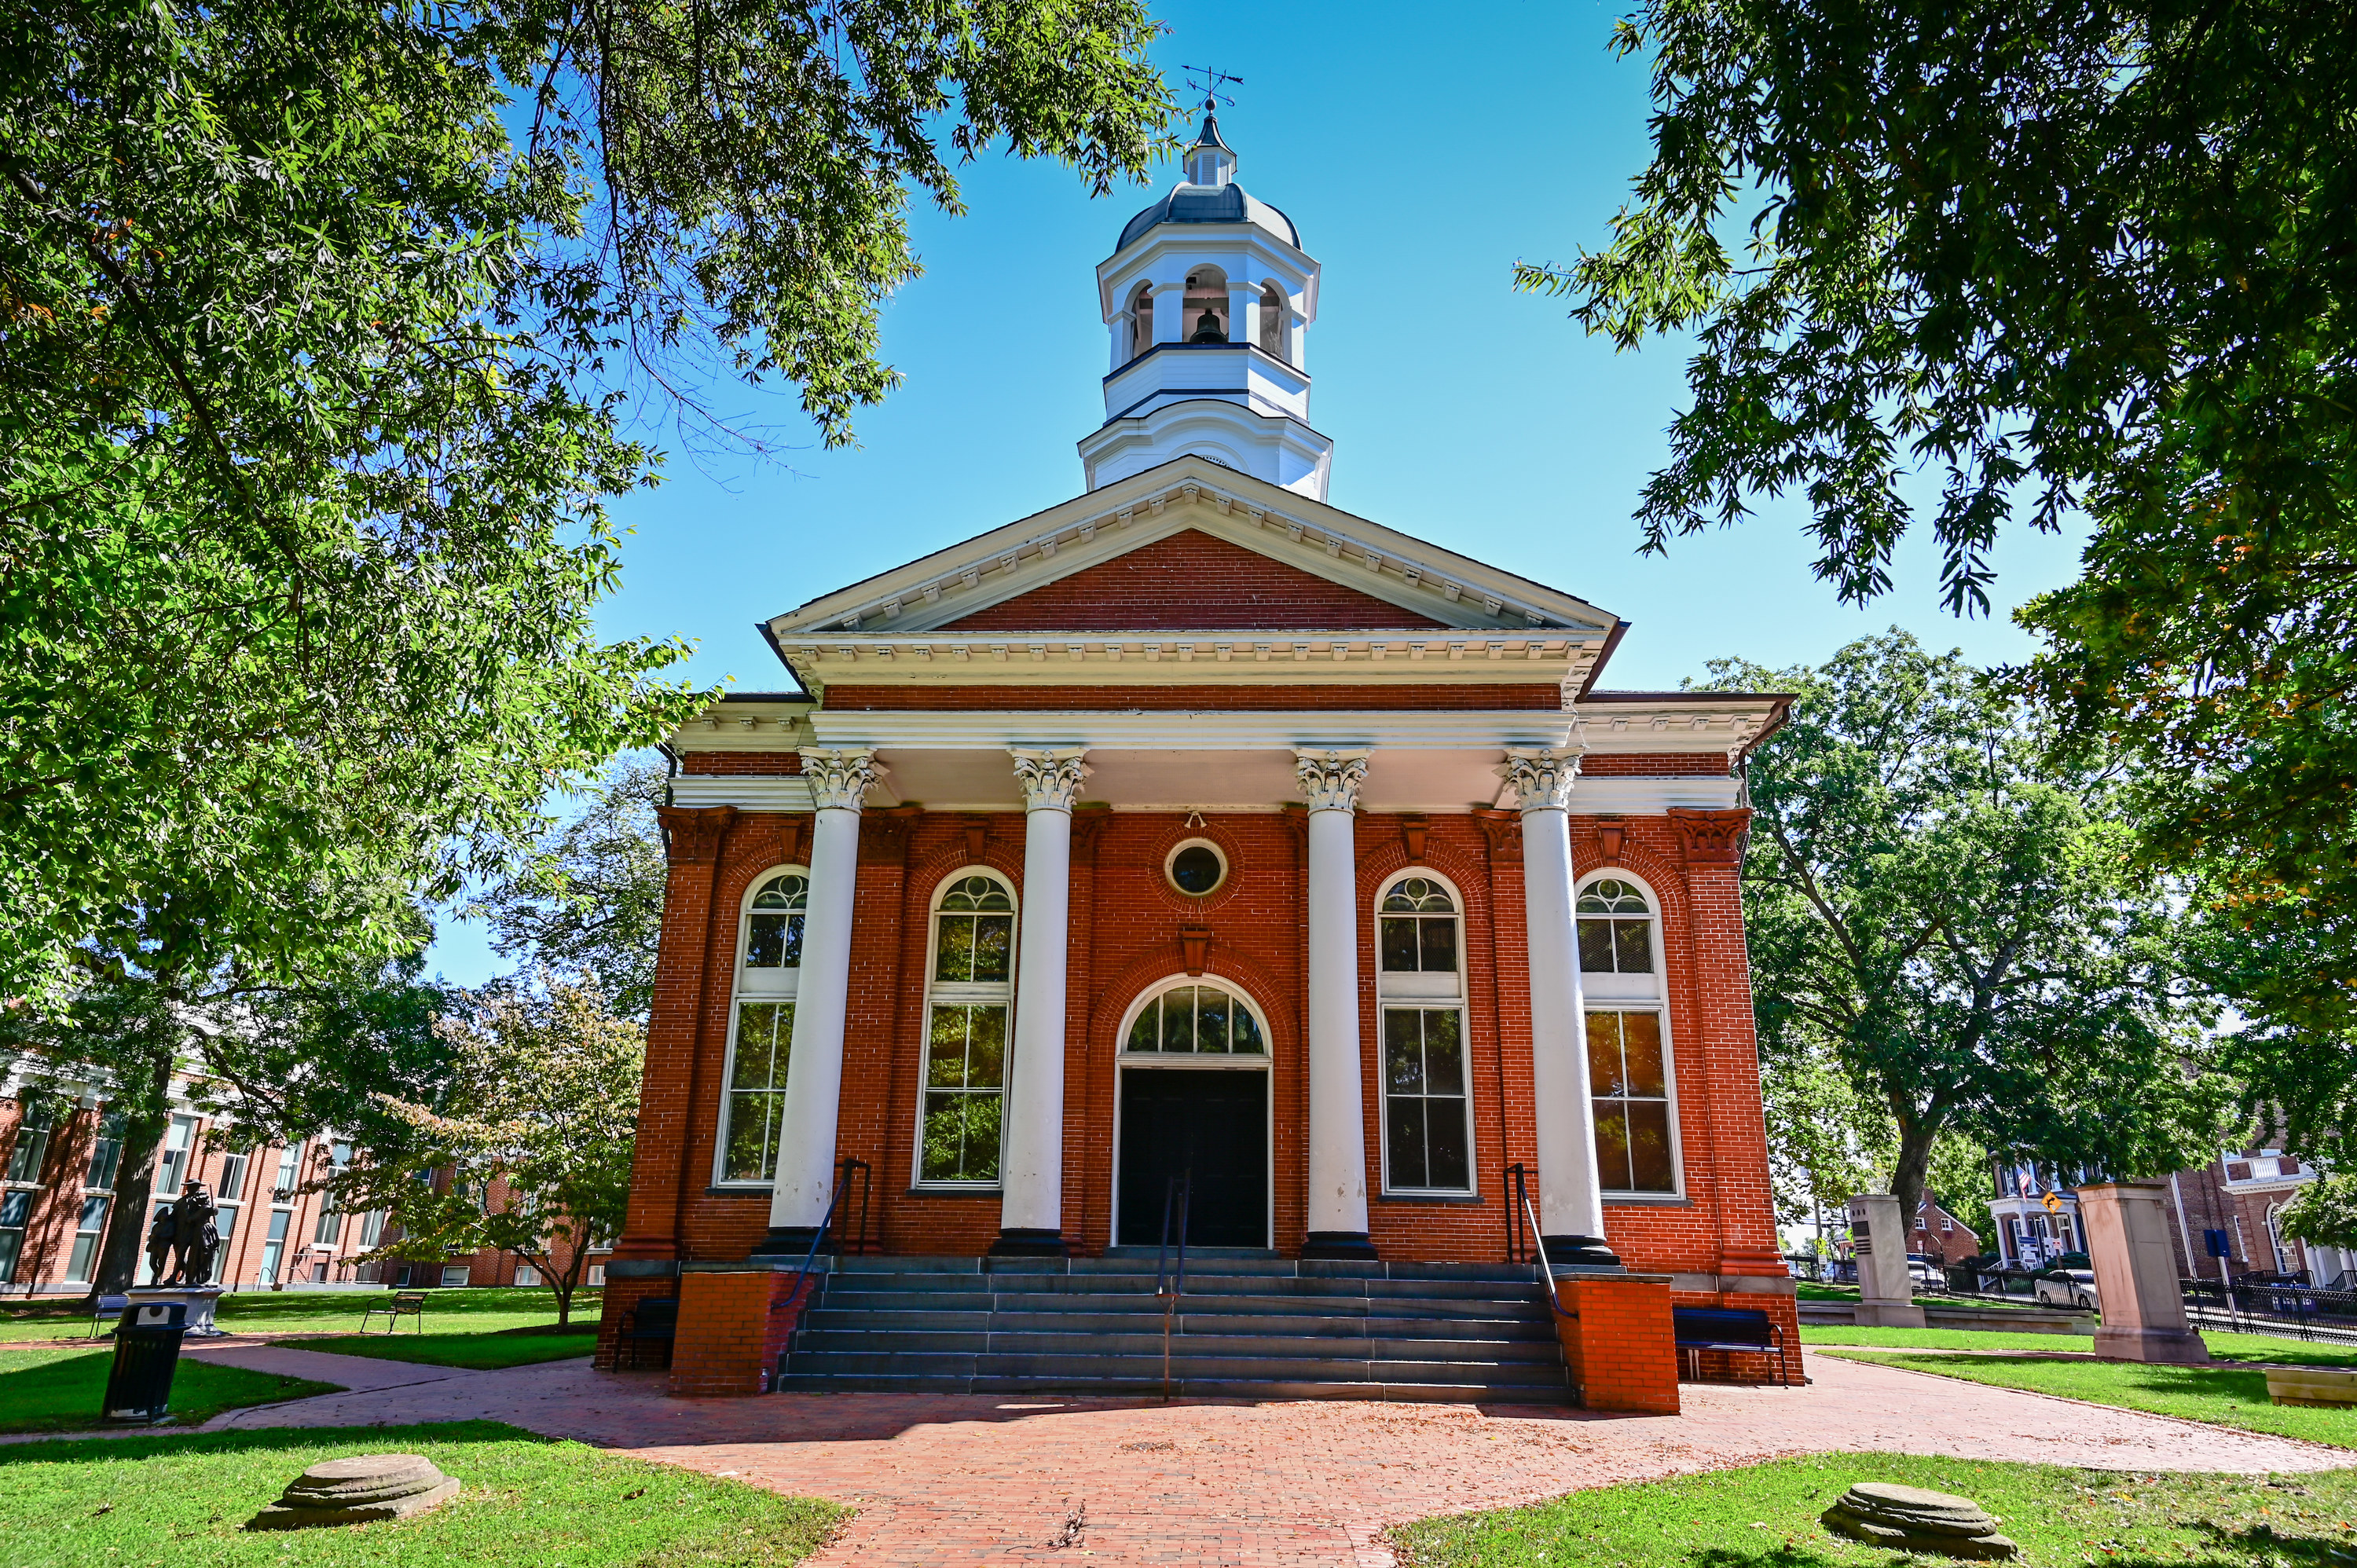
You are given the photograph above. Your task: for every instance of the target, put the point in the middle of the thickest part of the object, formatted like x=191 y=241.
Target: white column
x=1169 y=303
x=805 y=1183
x=1244 y=314
x=1571 y=1203
x=1337 y=1128
x=1032 y=1159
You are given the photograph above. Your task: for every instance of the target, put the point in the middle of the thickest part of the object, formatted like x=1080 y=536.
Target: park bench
x=404 y=1303
x=110 y=1309
x=1742 y=1330
x=651 y=1321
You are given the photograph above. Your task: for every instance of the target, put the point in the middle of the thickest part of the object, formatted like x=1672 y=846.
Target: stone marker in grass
x=358 y=1490
x=1909 y=1518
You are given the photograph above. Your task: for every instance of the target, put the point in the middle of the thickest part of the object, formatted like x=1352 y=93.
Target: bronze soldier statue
x=196 y=1236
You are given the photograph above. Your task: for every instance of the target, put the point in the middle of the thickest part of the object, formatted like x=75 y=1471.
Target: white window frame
x=965 y=993
x=748 y=985
x=1424 y=992
x=1263 y=1061
x=1620 y=996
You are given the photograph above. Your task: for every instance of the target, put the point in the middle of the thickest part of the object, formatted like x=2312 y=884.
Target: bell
x=1207 y=329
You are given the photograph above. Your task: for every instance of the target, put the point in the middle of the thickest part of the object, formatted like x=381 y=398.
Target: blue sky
x=1420 y=157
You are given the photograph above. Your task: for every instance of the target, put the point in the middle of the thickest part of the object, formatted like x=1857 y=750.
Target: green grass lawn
x=503 y=1348
x=485 y=1309
x=2228 y=1396
x=526 y=1499
x=2222 y=1347
x=60 y=1391
x=1765 y=1516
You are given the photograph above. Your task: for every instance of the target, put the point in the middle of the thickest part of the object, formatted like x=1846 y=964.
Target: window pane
x=961 y=1136
x=752 y=1133
x=993 y=945
x=1408 y=1165
x=233 y=1179
x=945 y=1063
x=765 y=941
x=1444 y=1054
x=985 y=1061
x=1633 y=946
x=1649 y=1147
x=1179 y=1019
x=1612 y=1145
x=1641 y=1032
x=1398 y=944
x=1144 y=1035
x=1440 y=945
x=1596 y=947
x=1244 y=1029
x=16 y=1207
x=1403 y=1051
x=957 y=958
x=765 y=1032
x=1604 y=1073
x=1210 y=1020
x=1443 y=1125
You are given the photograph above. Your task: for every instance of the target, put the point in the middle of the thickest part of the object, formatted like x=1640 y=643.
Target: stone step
x=1075 y=1369
x=1188 y=1321
x=1272 y=1346
x=866 y=1281
x=1551 y=1392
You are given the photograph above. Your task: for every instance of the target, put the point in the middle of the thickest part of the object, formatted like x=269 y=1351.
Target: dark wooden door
x=1212 y=1123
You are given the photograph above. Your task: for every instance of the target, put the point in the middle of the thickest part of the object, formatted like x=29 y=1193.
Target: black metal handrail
x=810 y=1259
x=1518 y=1200
x=1517 y=1178
x=1169 y=1287
x=856 y=1243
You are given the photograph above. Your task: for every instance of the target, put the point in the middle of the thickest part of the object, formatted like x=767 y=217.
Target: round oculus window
x=1196 y=868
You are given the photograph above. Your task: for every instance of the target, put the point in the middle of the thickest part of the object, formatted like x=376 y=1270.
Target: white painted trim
x=1652 y=797
x=1659 y=1003
x=747 y=793
x=1198 y=731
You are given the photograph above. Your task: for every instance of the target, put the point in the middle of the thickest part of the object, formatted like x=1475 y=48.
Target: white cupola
x=1208 y=297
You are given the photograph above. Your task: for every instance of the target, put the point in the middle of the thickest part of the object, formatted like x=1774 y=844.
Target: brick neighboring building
x=61 y=1150
x=1940 y=1236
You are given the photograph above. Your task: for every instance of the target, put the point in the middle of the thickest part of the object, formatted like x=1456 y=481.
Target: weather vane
x=1211 y=84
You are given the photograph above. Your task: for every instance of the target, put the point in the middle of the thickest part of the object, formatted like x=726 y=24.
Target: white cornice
x=787 y=792
x=1193 y=493
x=1190 y=657
x=1420 y=731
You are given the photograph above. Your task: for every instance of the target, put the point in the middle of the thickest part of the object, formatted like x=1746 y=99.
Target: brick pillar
x=734 y=1323
x=1621 y=1348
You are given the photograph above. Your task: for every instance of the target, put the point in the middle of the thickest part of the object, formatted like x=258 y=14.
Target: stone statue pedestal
x=201 y=1300
x=2136 y=1289
x=1878 y=1235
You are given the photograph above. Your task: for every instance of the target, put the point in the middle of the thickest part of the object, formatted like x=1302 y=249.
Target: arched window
x=1629 y=1074
x=1141 y=319
x=1199 y=1019
x=967 y=999
x=1271 y=319
x=1616 y=930
x=1420 y=992
x=761 y=1029
x=1205 y=318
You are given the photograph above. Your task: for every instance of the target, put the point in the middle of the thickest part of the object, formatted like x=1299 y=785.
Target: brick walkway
x=960 y=1480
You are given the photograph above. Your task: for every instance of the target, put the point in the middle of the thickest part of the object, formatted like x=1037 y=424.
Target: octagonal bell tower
x=1209 y=299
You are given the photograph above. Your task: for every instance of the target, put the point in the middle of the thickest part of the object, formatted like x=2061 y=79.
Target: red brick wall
x=732 y=1329
x=1654 y=764
x=1125 y=937
x=1621 y=1348
x=740 y=763
x=1546 y=695
x=1191 y=581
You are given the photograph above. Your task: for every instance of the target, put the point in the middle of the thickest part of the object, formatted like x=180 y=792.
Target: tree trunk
x=146 y=1120
x=1912 y=1172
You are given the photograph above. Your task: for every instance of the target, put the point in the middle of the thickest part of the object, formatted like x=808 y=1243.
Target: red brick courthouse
x=1195 y=834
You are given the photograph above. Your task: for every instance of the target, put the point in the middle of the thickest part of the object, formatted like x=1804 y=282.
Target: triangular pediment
x=1348 y=573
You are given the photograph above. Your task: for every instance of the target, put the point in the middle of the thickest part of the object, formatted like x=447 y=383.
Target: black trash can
x=147 y=1354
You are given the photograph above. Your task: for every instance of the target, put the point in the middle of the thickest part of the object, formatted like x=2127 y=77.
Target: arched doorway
x=1193 y=1100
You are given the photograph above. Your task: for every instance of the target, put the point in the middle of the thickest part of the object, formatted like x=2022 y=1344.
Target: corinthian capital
x=839 y=776
x=1330 y=780
x=1542 y=777
x=1050 y=776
